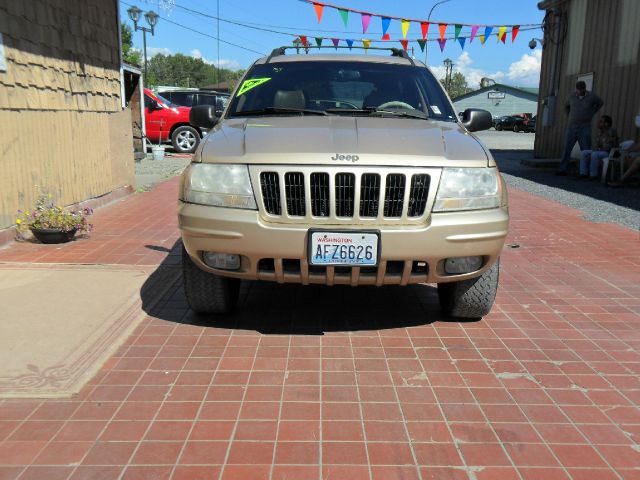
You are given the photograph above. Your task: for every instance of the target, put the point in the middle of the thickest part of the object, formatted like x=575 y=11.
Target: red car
x=166 y=121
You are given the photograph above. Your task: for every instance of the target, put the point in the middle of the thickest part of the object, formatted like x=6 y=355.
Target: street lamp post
x=426 y=45
x=152 y=19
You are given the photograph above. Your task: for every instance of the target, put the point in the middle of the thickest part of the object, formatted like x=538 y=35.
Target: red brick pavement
x=319 y=383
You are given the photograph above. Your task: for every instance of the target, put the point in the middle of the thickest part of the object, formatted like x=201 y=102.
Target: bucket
x=158 y=152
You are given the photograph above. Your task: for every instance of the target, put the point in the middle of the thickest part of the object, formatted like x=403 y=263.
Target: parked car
x=530 y=125
x=506 y=122
x=193 y=97
x=342 y=170
x=166 y=121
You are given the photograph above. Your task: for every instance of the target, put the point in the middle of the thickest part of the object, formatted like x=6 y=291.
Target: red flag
x=318 y=8
x=303 y=39
x=425 y=29
x=514 y=32
x=443 y=30
x=386 y=36
x=405 y=44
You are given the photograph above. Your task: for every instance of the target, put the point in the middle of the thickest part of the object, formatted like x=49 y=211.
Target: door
x=156 y=120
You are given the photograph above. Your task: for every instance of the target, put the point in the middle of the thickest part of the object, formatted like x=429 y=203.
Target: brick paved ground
x=341 y=383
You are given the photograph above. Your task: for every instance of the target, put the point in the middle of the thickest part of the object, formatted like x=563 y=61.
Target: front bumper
x=278 y=252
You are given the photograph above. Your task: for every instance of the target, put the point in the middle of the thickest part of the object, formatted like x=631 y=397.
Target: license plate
x=355 y=248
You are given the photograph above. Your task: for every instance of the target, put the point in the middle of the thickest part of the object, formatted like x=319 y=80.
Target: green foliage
x=458 y=85
x=130 y=55
x=184 y=71
x=47 y=214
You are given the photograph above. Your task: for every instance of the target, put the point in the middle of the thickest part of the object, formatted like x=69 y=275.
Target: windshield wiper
x=381 y=111
x=278 y=111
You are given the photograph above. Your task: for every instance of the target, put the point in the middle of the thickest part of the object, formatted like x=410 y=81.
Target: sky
x=513 y=63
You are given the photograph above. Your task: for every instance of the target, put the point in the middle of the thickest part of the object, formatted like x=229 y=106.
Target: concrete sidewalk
x=323 y=383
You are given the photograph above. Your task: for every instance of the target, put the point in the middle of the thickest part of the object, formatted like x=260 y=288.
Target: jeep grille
x=350 y=196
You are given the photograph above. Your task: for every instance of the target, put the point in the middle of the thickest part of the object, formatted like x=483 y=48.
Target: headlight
x=219 y=185
x=467 y=189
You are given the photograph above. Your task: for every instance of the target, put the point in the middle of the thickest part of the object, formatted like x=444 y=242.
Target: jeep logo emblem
x=345 y=158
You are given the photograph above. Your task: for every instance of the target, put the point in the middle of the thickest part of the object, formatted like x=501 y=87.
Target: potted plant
x=51 y=223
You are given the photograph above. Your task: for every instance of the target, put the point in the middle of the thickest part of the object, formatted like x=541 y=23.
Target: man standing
x=581 y=106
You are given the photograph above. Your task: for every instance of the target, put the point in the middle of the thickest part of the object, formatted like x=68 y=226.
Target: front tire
x=206 y=292
x=472 y=298
x=185 y=139
x=498 y=127
x=516 y=129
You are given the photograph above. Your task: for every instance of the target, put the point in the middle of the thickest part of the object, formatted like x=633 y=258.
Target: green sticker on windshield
x=249 y=84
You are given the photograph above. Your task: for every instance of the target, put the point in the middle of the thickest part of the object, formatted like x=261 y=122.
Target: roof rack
x=395 y=52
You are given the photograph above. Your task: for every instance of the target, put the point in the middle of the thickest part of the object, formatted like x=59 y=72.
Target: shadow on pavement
x=509 y=163
x=271 y=308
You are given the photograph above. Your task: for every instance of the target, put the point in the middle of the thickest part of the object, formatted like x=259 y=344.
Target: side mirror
x=475 y=119
x=203 y=116
x=153 y=106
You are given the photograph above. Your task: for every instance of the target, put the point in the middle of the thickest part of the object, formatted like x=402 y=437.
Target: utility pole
x=218 y=35
x=448 y=66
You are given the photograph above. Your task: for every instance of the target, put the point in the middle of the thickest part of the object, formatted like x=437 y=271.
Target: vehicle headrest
x=289 y=99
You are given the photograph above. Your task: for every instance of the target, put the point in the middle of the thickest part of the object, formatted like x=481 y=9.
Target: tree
x=184 y=71
x=457 y=86
x=130 y=54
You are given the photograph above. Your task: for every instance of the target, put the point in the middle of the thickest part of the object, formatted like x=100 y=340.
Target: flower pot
x=158 y=152
x=53 y=235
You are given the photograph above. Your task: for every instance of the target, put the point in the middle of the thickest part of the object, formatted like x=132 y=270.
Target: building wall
x=603 y=38
x=63 y=127
x=514 y=102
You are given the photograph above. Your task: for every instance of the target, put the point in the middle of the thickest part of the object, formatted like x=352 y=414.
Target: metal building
x=597 y=41
x=500 y=100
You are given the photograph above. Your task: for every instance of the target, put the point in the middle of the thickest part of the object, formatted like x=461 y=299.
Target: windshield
x=165 y=101
x=341 y=88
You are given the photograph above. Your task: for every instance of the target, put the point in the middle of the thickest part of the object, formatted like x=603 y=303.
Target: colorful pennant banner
x=405 y=24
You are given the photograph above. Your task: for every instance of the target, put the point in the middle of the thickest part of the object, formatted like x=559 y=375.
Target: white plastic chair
x=616 y=155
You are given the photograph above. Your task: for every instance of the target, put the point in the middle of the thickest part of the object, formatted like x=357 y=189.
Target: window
x=180 y=98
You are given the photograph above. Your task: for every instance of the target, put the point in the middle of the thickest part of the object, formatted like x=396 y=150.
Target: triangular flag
x=405 y=27
x=336 y=42
x=319 y=41
x=487 y=32
x=442 y=43
x=443 y=30
x=474 y=30
x=514 y=32
x=386 y=36
x=366 y=43
x=303 y=39
x=502 y=34
x=318 y=8
x=422 y=43
x=386 y=21
x=461 y=40
x=425 y=29
x=344 y=14
x=481 y=39
x=349 y=43
x=366 y=18
x=405 y=44
x=458 y=29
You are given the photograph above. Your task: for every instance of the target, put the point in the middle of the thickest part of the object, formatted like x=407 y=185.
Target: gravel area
x=149 y=172
x=598 y=202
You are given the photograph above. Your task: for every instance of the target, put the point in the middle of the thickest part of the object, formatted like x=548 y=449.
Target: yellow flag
x=405 y=27
x=502 y=34
x=366 y=43
x=481 y=39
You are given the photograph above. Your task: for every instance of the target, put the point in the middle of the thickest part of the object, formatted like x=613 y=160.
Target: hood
x=323 y=140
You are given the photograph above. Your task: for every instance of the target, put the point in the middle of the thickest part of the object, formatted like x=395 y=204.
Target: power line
x=202 y=33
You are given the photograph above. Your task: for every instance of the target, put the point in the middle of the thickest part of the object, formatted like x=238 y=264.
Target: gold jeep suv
x=342 y=170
